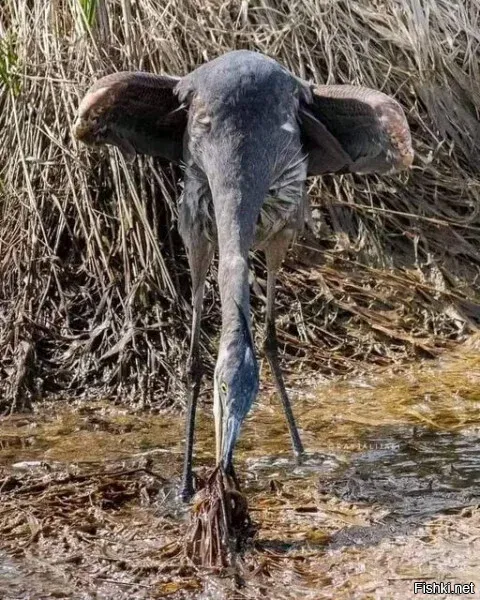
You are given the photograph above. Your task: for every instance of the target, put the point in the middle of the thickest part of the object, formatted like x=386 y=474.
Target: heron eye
x=224 y=387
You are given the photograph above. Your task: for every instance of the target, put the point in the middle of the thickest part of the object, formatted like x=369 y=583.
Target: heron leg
x=275 y=253
x=200 y=253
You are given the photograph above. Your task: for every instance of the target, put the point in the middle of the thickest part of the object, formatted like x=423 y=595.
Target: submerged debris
x=220 y=523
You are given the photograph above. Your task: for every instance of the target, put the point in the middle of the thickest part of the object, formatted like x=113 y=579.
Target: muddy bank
x=388 y=494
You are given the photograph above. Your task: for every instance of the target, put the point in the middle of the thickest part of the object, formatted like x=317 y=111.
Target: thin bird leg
x=200 y=256
x=274 y=254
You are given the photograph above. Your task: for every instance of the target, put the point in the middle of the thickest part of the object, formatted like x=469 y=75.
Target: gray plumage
x=248 y=134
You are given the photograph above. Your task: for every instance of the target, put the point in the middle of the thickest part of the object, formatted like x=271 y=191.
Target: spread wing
x=354 y=129
x=137 y=112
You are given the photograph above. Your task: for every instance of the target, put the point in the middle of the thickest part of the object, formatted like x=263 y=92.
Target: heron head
x=235 y=387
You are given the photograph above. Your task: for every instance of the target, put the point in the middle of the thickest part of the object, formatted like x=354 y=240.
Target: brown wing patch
x=135 y=111
x=396 y=127
x=89 y=121
x=370 y=127
x=93 y=101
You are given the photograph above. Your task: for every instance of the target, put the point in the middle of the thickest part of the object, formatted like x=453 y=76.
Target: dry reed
x=94 y=290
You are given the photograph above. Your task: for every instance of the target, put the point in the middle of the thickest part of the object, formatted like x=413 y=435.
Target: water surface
x=388 y=493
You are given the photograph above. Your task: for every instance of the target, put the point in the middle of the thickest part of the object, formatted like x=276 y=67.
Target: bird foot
x=299 y=457
x=187 y=492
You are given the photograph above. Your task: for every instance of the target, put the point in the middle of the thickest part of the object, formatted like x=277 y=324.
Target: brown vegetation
x=94 y=291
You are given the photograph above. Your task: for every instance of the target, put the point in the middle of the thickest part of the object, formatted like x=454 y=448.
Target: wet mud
x=388 y=494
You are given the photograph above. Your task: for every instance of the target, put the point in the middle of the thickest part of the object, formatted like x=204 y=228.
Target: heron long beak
x=231 y=431
x=218 y=416
x=227 y=430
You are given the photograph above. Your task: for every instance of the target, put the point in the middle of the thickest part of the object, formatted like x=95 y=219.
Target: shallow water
x=388 y=491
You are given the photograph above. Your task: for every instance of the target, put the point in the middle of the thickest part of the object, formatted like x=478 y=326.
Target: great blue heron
x=248 y=133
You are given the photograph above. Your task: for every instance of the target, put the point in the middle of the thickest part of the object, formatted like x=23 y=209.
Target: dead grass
x=94 y=292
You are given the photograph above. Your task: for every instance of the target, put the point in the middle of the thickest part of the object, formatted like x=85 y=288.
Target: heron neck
x=237 y=202
x=234 y=291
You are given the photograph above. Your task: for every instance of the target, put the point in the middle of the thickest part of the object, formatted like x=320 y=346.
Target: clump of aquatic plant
x=220 y=523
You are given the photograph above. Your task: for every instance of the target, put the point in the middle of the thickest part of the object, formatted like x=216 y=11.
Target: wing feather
x=138 y=112
x=367 y=125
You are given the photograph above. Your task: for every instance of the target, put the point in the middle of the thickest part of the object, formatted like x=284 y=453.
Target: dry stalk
x=93 y=274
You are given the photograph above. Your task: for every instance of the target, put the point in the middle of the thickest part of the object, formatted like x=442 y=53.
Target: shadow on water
x=392 y=455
